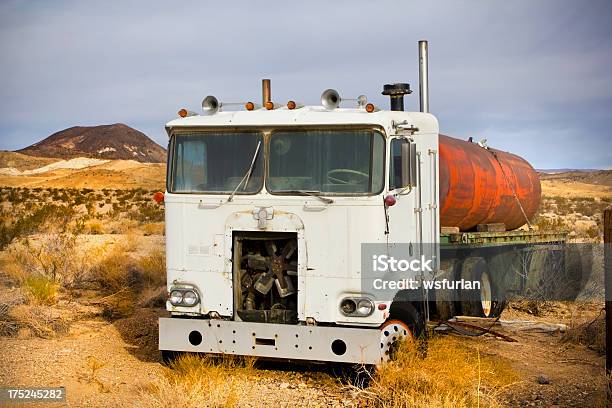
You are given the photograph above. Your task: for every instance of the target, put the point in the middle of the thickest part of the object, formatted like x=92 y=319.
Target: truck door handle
x=209 y=206
x=314 y=207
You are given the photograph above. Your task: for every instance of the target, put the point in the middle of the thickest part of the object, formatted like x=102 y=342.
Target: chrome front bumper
x=292 y=342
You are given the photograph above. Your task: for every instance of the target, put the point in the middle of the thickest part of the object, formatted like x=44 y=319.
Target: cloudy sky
x=532 y=76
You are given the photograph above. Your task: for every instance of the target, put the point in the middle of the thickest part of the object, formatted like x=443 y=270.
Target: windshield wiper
x=316 y=194
x=247 y=176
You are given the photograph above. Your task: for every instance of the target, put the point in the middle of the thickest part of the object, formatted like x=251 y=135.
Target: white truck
x=269 y=210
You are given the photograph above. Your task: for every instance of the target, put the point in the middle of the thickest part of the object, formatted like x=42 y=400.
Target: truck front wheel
x=405 y=323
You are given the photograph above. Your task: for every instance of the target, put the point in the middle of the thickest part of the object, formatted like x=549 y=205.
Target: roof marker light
x=251 y=106
x=271 y=105
x=294 y=105
x=370 y=108
x=183 y=113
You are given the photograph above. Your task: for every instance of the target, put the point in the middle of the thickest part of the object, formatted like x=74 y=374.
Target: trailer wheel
x=486 y=301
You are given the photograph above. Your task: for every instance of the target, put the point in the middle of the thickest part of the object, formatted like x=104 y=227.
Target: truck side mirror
x=409 y=163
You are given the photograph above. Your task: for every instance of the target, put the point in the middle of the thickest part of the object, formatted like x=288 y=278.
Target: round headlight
x=190 y=298
x=365 y=307
x=348 y=306
x=176 y=297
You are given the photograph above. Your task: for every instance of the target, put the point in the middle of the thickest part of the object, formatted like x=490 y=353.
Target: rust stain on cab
x=473 y=189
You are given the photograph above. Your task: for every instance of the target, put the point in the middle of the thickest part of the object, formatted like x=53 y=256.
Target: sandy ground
x=116 y=174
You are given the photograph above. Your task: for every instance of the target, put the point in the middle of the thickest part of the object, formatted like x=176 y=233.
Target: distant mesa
x=109 y=142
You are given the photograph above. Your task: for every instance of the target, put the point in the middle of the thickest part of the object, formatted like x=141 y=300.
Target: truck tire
x=489 y=300
x=405 y=323
x=410 y=315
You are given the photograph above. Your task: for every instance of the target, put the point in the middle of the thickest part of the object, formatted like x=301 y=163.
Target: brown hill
x=601 y=177
x=110 y=142
x=594 y=184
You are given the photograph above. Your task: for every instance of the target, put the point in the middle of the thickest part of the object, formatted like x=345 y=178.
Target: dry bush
x=41 y=289
x=115 y=271
x=451 y=374
x=200 y=381
x=590 y=333
x=152 y=267
x=33 y=219
x=94 y=227
x=120 y=226
x=153 y=297
x=130 y=242
x=55 y=257
x=40 y=321
x=10 y=298
x=91 y=374
x=154 y=228
x=534 y=307
x=118 y=305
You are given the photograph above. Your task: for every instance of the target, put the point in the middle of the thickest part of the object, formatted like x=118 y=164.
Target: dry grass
x=153 y=228
x=200 y=381
x=115 y=271
x=152 y=267
x=54 y=257
x=41 y=289
x=40 y=321
x=590 y=333
x=118 y=305
x=93 y=367
x=451 y=374
x=94 y=227
x=582 y=216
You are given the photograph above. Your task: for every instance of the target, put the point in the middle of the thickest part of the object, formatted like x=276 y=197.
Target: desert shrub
x=40 y=321
x=94 y=227
x=591 y=334
x=154 y=228
x=592 y=232
x=152 y=267
x=115 y=271
x=120 y=226
x=118 y=305
x=533 y=305
x=42 y=289
x=153 y=297
x=91 y=374
x=149 y=212
x=57 y=215
x=451 y=374
x=549 y=223
x=55 y=257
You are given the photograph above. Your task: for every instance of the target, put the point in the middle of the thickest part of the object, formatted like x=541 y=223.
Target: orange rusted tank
x=475 y=190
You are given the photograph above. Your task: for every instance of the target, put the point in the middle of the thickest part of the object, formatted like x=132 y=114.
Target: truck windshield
x=216 y=162
x=326 y=161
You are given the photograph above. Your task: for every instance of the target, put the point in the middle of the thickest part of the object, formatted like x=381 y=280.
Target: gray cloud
x=532 y=77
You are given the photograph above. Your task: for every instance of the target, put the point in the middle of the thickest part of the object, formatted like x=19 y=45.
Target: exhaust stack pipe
x=266 y=92
x=423 y=76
